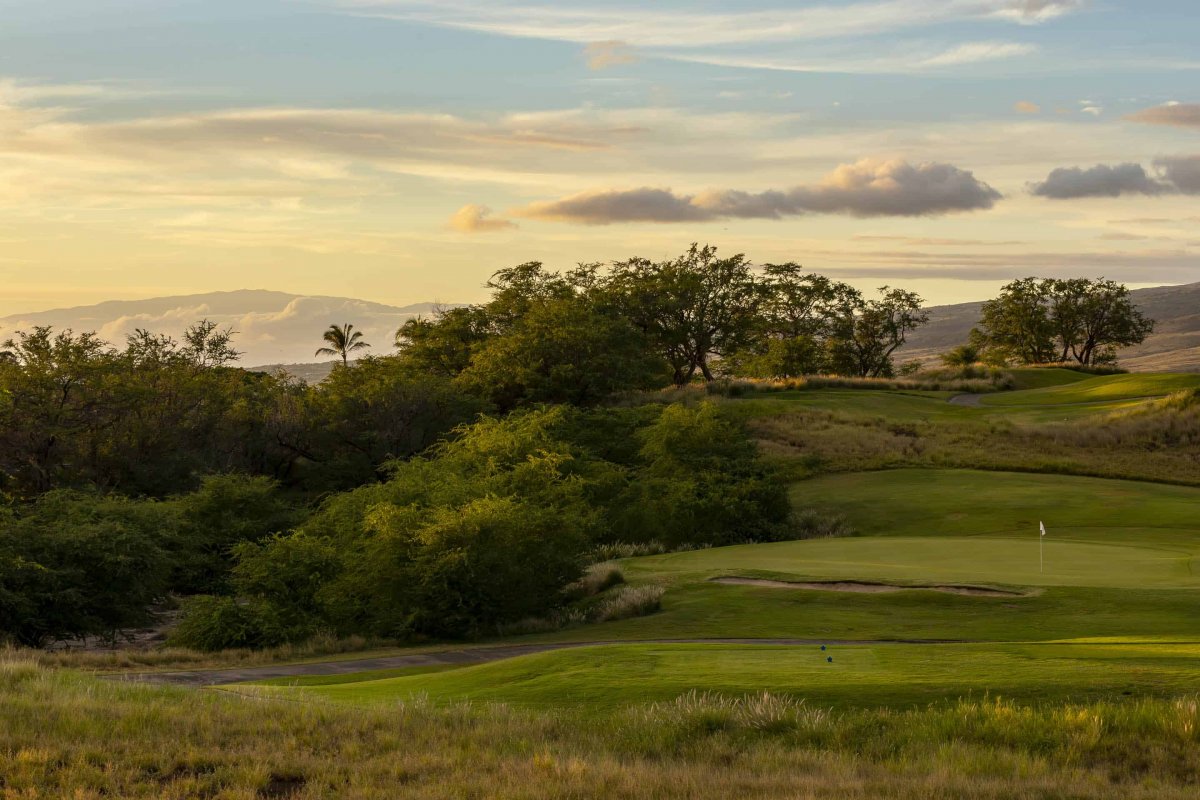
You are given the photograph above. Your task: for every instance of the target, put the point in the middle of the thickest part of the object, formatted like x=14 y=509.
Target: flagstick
x=1041 y=558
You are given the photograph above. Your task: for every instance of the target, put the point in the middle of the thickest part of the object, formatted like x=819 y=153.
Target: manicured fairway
x=935 y=503
x=948 y=559
x=1121 y=562
x=1099 y=389
x=602 y=678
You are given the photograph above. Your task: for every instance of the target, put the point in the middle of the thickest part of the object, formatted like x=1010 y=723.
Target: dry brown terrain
x=1173 y=347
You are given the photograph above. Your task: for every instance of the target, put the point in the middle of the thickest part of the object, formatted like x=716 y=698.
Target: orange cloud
x=474 y=218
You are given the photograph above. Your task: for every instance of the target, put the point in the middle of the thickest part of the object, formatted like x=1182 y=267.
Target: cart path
x=463 y=656
x=972 y=400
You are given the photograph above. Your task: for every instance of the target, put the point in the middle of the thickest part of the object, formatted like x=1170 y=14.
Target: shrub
x=614 y=550
x=809 y=523
x=222 y=623
x=74 y=564
x=628 y=602
x=595 y=580
x=225 y=511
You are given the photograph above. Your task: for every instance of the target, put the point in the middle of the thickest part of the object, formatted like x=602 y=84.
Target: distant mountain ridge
x=283 y=330
x=1173 y=347
x=272 y=327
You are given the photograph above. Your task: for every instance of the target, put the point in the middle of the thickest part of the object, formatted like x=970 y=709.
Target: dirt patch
x=971 y=400
x=868 y=588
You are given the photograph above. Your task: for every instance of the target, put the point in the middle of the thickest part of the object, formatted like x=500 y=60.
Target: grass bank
x=66 y=735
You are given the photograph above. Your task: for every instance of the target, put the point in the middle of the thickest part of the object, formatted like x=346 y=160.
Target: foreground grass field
x=67 y=735
x=1079 y=679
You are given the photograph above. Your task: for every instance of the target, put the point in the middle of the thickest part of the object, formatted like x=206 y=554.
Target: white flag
x=1042 y=525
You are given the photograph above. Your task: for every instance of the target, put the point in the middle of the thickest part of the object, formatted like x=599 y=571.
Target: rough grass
x=320 y=647
x=824 y=432
x=64 y=735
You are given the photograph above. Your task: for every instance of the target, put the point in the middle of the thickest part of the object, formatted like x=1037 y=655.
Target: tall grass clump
x=611 y=551
x=628 y=602
x=810 y=523
x=595 y=580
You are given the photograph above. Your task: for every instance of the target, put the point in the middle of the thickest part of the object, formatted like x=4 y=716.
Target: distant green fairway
x=959 y=502
x=950 y=526
x=1113 y=614
x=601 y=678
x=1121 y=560
x=949 y=559
x=1099 y=389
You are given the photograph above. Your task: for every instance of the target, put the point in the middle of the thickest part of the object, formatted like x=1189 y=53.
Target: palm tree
x=343 y=341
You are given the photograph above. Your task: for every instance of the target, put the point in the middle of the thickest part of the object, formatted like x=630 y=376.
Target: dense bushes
x=76 y=564
x=493 y=527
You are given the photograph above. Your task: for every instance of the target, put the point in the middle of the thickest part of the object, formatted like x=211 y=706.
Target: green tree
x=690 y=308
x=225 y=511
x=1092 y=318
x=864 y=339
x=798 y=314
x=76 y=564
x=1037 y=321
x=343 y=340
x=1017 y=326
x=445 y=344
x=699 y=480
x=962 y=356
x=59 y=393
x=562 y=350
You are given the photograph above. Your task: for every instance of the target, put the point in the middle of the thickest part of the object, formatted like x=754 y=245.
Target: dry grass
x=1161 y=443
x=67 y=735
x=628 y=602
x=168 y=658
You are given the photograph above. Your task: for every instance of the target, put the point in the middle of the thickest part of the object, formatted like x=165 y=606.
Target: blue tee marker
x=830 y=659
x=822 y=647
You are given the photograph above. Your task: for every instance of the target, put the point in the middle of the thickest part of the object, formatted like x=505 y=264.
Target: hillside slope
x=1173 y=347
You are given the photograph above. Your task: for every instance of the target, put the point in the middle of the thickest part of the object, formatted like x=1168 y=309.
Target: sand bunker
x=868 y=588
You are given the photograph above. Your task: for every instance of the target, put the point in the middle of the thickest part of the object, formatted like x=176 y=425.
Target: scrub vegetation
x=745 y=551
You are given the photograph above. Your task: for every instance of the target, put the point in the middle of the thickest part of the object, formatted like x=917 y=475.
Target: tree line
x=455 y=485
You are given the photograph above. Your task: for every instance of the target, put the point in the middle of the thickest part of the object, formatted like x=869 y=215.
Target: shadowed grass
x=64 y=735
x=898 y=676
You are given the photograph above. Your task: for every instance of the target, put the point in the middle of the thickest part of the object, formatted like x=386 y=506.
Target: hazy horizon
x=400 y=151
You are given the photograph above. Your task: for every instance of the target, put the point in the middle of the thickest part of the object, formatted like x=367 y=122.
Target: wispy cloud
x=867 y=188
x=733 y=35
x=974 y=52
x=1182 y=115
x=475 y=218
x=611 y=53
x=655 y=26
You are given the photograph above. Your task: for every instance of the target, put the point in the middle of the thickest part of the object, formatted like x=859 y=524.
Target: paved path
x=972 y=400
x=467 y=655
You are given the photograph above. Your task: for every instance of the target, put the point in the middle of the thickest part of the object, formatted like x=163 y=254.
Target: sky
x=401 y=151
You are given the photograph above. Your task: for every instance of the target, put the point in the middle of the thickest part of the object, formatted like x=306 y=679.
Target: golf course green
x=1110 y=610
